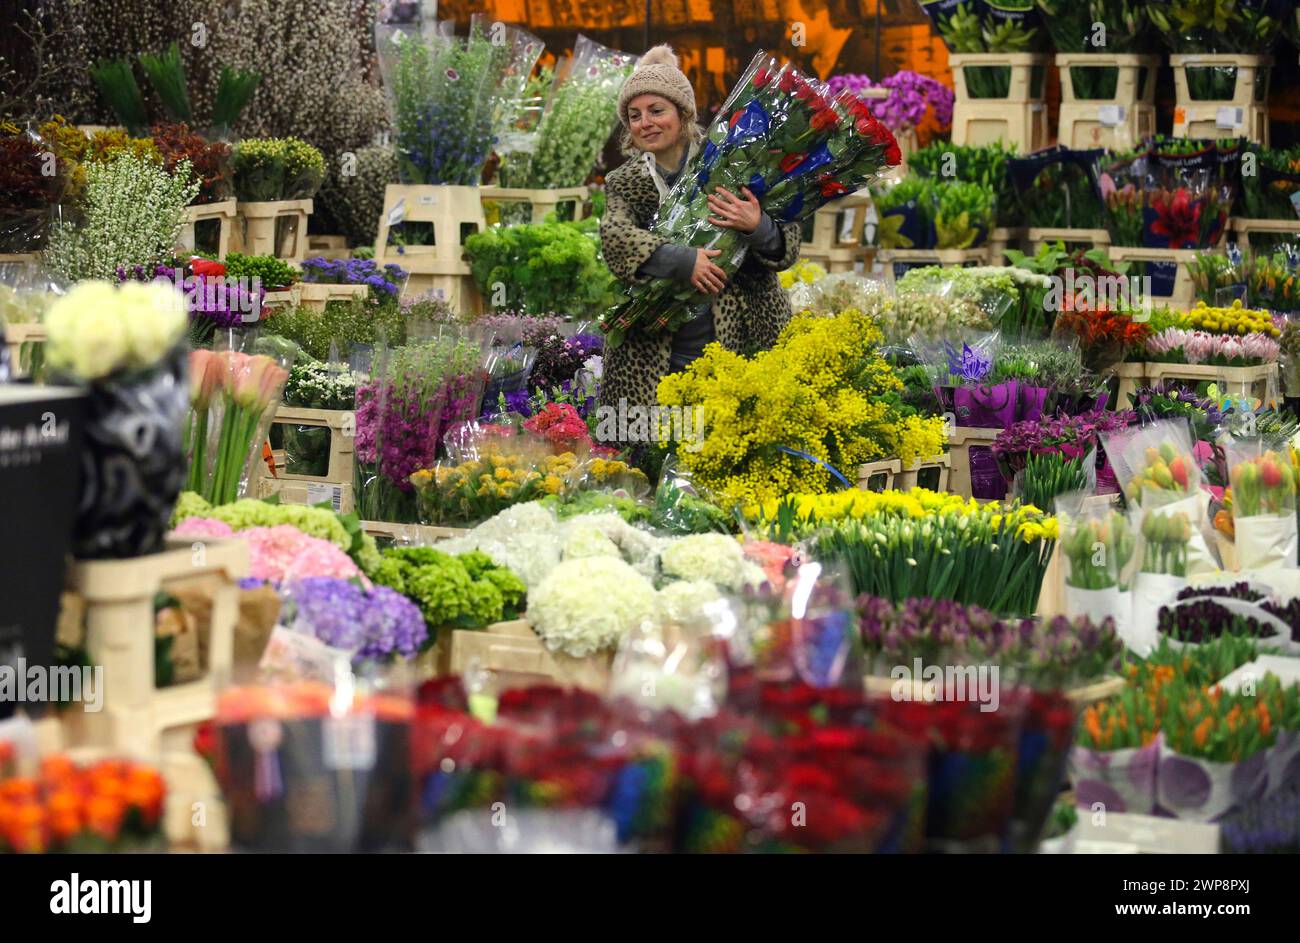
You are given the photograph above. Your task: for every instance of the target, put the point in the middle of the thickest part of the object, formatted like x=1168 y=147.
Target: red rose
x=790 y=161
x=762 y=77
x=864 y=126
x=825 y=120
x=833 y=188
x=893 y=156
x=805 y=93
x=789 y=79
x=735 y=117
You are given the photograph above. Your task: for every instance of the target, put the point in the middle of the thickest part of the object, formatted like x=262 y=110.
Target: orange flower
x=19 y=789
x=1202 y=731
x=1265 y=720
x=57 y=768
x=1092 y=724
x=104 y=816
x=65 y=827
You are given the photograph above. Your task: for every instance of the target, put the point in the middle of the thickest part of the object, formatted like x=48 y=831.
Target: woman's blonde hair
x=691 y=132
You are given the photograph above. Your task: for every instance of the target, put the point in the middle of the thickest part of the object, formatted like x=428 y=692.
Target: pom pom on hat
x=657 y=74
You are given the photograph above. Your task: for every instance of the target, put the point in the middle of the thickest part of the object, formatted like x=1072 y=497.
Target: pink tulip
x=235 y=367
x=205 y=374
x=258 y=384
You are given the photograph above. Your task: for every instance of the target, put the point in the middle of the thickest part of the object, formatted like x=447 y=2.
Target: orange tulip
x=104 y=816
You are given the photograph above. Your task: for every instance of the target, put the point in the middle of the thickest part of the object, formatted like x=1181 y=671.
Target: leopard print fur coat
x=748 y=313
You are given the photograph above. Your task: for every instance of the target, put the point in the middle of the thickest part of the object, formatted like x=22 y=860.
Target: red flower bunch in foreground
x=562 y=426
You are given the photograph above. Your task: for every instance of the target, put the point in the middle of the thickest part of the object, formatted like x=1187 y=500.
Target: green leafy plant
x=268 y=169
x=1049 y=474
x=167 y=75
x=116 y=83
x=342 y=323
x=541 y=268
x=274 y=273
x=963 y=216
x=235 y=88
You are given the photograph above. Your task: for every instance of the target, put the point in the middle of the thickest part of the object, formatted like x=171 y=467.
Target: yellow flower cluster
x=476 y=489
x=1236 y=319
x=606 y=471
x=801 y=271
x=806 y=512
x=822 y=390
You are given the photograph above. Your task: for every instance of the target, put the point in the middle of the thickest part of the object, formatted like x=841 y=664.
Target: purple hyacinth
x=378 y=624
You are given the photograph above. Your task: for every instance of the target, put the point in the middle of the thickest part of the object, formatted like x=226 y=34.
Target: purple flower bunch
x=560 y=358
x=378 y=623
x=1268 y=825
x=397 y=430
x=1072 y=436
x=528 y=330
x=386 y=281
x=941 y=631
x=1204 y=620
x=910 y=93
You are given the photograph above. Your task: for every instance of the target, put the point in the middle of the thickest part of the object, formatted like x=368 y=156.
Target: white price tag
x=298 y=655
x=317 y=493
x=349 y=742
x=397 y=213
x=1111 y=116
x=1229 y=118
x=427 y=199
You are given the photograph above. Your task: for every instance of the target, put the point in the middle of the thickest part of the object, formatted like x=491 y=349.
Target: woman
x=744 y=313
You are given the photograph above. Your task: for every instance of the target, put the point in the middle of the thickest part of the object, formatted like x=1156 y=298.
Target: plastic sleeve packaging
x=1117 y=780
x=1202 y=790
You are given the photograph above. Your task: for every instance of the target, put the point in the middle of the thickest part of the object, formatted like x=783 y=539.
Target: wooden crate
x=224 y=212
x=514 y=647
x=1118 y=123
x=1131 y=376
x=287 y=298
x=894 y=263
x=440 y=267
x=1019 y=118
x=879 y=476
x=836 y=242
x=909 y=478
x=1242 y=227
x=1184 y=293
x=541 y=201
x=1244 y=114
x=1261 y=382
x=1003 y=238
x=328 y=247
x=314 y=296
x=417 y=534
x=960 y=442
x=255 y=232
x=1041 y=236
x=119 y=605
x=16 y=335
x=340 y=495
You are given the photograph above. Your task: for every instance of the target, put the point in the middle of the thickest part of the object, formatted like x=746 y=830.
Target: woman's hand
x=707 y=277
x=742 y=213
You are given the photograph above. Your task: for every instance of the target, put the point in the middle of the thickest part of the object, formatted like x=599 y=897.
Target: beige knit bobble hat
x=657 y=74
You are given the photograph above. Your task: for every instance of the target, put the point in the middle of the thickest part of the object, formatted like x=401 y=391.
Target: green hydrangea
x=476 y=563
x=485 y=603
x=441 y=590
x=512 y=591
x=468 y=591
x=190 y=504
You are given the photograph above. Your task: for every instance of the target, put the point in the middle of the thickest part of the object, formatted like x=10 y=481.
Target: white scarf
x=652 y=167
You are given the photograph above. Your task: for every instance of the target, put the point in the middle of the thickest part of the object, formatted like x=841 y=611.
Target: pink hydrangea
x=284 y=552
x=203 y=527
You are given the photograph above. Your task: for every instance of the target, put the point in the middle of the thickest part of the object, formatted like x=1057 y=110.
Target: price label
x=397 y=213
x=1229 y=117
x=1180 y=116
x=349 y=742
x=427 y=199
x=319 y=493
x=1111 y=116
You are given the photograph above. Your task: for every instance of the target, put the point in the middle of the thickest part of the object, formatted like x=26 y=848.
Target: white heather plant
x=132 y=216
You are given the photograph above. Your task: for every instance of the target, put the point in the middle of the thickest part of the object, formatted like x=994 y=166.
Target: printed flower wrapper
x=1118 y=780
x=1200 y=790
x=1284 y=761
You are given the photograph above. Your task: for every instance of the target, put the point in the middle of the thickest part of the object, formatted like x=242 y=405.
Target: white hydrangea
x=636 y=546
x=518 y=518
x=713 y=557
x=587 y=605
x=684 y=600
x=588 y=541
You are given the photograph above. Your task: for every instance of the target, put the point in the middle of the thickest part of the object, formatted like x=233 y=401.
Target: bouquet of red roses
x=793 y=144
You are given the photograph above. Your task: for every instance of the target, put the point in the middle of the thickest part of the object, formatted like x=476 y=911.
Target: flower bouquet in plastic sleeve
x=308 y=766
x=791 y=144
x=581 y=111
x=1263 y=504
x=963 y=369
x=973 y=756
x=233 y=398
x=1098 y=545
x=1113 y=764
x=1214 y=752
x=1044 y=751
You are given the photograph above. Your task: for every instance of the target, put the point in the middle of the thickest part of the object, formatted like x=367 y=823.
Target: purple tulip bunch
x=379 y=623
x=936 y=631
